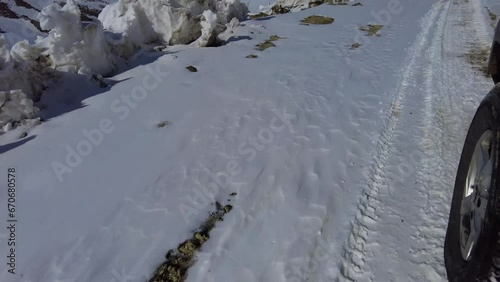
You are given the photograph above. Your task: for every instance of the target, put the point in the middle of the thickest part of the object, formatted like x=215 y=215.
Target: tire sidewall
x=457 y=268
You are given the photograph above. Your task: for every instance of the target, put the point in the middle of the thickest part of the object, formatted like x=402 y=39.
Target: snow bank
x=71 y=46
x=15 y=107
x=6 y=64
x=130 y=25
x=123 y=28
x=208 y=29
x=168 y=21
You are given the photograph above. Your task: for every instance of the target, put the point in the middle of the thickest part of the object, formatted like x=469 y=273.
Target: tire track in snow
x=364 y=226
x=435 y=173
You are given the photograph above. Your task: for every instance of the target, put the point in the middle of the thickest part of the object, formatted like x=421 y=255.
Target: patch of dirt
x=163 y=123
x=178 y=261
x=22 y=3
x=315 y=19
x=258 y=16
x=278 y=9
x=35 y=23
x=492 y=15
x=268 y=43
x=372 y=29
x=313 y=4
x=356 y=45
x=191 y=69
x=337 y=3
x=88 y=13
x=251 y=56
x=6 y=12
x=478 y=56
x=274 y=38
x=265 y=45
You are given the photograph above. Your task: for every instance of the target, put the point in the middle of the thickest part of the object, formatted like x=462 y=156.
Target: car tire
x=471 y=243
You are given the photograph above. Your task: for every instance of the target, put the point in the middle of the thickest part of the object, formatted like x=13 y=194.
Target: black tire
x=480 y=264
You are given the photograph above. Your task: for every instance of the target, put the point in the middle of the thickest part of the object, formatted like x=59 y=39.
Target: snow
x=256 y=6
x=342 y=159
x=5 y=60
x=208 y=25
x=295 y=5
x=71 y=47
x=21 y=23
x=89 y=50
x=174 y=22
x=15 y=106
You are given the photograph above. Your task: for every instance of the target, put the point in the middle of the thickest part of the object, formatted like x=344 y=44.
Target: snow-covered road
x=343 y=159
x=399 y=232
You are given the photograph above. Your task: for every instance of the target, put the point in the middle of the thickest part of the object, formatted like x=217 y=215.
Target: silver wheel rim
x=476 y=194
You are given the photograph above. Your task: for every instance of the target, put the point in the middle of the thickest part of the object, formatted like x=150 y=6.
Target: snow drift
x=70 y=46
x=122 y=29
x=168 y=21
x=15 y=107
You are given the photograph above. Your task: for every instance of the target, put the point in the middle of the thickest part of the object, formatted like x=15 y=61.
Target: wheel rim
x=476 y=194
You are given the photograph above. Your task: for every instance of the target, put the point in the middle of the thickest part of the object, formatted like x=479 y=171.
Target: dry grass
x=372 y=29
x=274 y=38
x=478 y=56
x=492 y=15
x=315 y=19
x=268 y=43
x=178 y=260
x=263 y=46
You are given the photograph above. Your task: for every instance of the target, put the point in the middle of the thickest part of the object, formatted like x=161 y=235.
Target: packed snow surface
x=342 y=158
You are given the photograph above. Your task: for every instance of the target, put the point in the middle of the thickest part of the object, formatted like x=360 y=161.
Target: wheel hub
x=476 y=195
